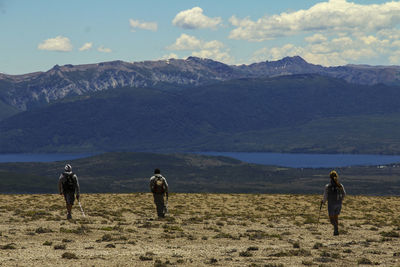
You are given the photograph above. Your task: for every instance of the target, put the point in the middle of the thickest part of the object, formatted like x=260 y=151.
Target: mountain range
x=199 y=104
x=34 y=89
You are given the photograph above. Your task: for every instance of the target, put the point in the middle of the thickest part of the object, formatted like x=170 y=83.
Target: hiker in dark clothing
x=159 y=187
x=334 y=193
x=68 y=186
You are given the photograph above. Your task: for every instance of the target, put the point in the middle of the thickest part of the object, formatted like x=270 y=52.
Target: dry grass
x=200 y=230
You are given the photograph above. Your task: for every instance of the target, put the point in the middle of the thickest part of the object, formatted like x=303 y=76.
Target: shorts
x=334 y=209
x=69 y=197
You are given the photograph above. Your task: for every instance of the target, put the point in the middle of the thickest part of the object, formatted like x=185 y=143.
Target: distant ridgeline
x=130 y=172
x=202 y=105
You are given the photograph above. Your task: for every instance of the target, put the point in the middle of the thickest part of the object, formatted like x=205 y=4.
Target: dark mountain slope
x=234 y=115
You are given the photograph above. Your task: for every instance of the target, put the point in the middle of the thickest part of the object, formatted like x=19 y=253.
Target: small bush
x=47 y=243
x=324 y=259
x=318 y=245
x=310 y=220
x=61 y=246
x=159 y=263
x=42 y=230
x=69 y=255
x=145 y=258
x=110 y=246
x=211 y=261
x=106 y=238
x=390 y=234
x=9 y=246
x=245 y=254
x=364 y=261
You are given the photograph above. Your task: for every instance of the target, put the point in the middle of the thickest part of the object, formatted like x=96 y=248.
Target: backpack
x=335 y=193
x=159 y=185
x=69 y=183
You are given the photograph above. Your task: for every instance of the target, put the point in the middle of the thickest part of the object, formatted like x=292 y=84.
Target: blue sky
x=36 y=35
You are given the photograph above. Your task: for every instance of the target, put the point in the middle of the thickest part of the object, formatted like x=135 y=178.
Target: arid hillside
x=200 y=230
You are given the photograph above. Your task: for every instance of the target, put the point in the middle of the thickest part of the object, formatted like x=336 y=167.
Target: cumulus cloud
x=86 y=46
x=316 y=38
x=169 y=56
x=195 y=19
x=136 y=24
x=334 y=15
x=338 y=50
x=212 y=49
x=59 y=43
x=186 y=42
x=104 y=49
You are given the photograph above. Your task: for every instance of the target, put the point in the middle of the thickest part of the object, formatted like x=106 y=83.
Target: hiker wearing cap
x=159 y=188
x=334 y=193
x=68 y=186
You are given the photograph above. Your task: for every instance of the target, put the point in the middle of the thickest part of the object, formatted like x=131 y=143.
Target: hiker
x=334 y=193
x=68 y=185
x=159 y=187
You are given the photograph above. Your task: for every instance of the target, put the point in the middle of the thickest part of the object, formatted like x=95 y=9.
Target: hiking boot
x=336 y=231
x=69 y=216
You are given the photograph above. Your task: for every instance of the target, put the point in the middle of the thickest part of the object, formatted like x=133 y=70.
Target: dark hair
x=157 y=171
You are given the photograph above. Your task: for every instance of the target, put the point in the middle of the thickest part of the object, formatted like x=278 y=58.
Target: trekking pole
x=80 y=205
x=319 y=213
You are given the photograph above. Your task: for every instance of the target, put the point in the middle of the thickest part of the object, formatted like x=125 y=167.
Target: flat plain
x=200 y=230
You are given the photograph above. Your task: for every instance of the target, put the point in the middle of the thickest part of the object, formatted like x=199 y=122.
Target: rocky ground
x=200 y=230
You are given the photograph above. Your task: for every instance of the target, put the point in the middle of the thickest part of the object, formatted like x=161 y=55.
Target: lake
x=48 y=157
x=279 y=159
x=308 y=160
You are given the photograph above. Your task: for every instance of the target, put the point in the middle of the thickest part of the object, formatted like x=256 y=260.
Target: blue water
x=278 y=159
x=40 y=157
x=308 y=160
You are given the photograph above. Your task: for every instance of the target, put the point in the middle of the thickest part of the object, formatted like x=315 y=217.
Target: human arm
x=325 y=197
x=151 y=184
x=60 y=188
x=343 y=191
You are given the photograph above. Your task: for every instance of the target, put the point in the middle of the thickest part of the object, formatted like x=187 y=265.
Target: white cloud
x=194 y=19
x=218 y=55
x=212 y=49
x=136 y=24
x=316 y=38
x=104 y=49
x=331 y=16
x=276 y=53
x=395 y=58
x=337 y=50
x=86 y=46
x=169 y=56
x=186 y=42
x=59 y=43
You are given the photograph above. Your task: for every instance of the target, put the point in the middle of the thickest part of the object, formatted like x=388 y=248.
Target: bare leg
x=335 y=222
x=69 y=210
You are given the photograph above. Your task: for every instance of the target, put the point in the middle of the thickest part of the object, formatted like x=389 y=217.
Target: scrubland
x=199 y=230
